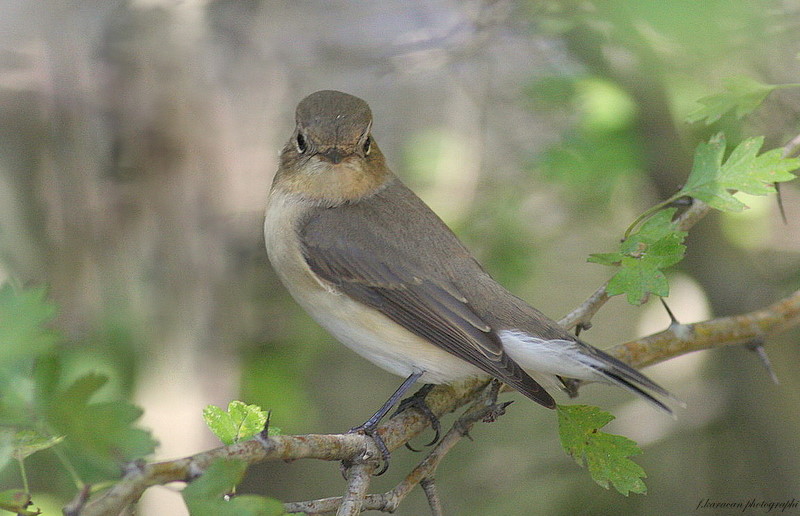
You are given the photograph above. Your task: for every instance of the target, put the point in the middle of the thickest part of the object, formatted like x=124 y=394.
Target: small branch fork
x=581 y=317
x=485 y=408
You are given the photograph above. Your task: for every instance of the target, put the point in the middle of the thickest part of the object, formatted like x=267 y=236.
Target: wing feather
x=431 y=308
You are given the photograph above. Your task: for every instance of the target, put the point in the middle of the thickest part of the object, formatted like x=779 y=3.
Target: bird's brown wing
x=431 y=308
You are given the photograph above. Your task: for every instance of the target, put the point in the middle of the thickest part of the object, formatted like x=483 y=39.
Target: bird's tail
x=621 y=374
x=571 y=358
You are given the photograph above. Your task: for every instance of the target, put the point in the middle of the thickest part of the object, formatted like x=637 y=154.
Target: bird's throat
x=325 y=183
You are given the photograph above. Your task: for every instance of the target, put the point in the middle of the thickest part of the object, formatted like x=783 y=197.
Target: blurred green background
x=137 y=145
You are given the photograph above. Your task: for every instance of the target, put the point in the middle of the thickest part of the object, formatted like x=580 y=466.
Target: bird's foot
x=370 y=427
x=418 y=401
x=371 y=430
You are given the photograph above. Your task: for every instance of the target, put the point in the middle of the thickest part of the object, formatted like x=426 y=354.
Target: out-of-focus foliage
x=602 y=150
x=206 y=496
x=93 y=437
x=742 y=95
x=23 y=316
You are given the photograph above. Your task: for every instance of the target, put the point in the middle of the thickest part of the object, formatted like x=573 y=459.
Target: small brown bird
x=380 y=271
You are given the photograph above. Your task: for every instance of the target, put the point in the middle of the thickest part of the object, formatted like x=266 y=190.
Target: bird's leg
x=370 y=425
x=417 y=400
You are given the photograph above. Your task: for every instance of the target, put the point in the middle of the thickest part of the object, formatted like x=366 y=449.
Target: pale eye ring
x=302 y=144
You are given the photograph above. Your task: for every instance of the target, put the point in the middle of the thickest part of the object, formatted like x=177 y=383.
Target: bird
x=381 y=272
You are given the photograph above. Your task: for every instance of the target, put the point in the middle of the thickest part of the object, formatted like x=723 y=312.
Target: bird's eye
x=302 y=145
x=367 y=145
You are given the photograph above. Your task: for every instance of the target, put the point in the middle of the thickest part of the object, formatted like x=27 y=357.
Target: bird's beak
x=333 y=155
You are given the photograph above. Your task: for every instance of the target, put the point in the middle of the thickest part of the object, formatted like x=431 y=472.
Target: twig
x=428 y=485
x=791 y=148
x=692 y=215
x=333 y=447
x=359 y=475
x=283 y=447
x=582 y=316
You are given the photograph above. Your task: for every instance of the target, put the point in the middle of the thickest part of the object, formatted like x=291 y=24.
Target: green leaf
x=239 y=423
x=713 y=179
x=17 y=501
x=638 y=279
x=100 y=435
x=605 y=258
x=642 y=256
x=742 y=95
x=657 y=228
x=23 y=316
x=206 y=495
x=606 y=455
x=28 y=442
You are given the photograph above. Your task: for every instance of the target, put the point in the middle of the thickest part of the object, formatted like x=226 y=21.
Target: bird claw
x=418 y=401
x=371 y=432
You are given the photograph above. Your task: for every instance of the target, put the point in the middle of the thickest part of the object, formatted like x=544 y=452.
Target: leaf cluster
x=658 y=243
x=41 y=410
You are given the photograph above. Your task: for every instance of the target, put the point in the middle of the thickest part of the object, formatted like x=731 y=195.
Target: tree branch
x=680 y=339
x=677 y=340
x=358 y=477
x=333 y=447
x=485 y=408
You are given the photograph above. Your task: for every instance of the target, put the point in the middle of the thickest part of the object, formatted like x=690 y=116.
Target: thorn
x=263 y=436
x=672 y=318
x=758 y=348
x=780 y=202
x=582 y=326
x=265 y=431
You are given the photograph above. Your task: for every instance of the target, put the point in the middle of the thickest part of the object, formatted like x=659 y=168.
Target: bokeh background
x=138 y=140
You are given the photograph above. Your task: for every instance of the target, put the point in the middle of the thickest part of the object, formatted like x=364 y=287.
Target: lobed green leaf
x=742 y=95
x=605 y=455
x=713 y=179
x=239 y=423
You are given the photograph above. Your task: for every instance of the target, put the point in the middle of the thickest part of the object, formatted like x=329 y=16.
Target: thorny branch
x=485 y=408
x=680 y=339
x=676 y=340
